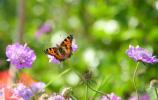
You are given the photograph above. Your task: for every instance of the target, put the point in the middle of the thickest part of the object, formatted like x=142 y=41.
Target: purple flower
x=20 y=56
x=22 y=91
x=74 y=46
x=38 y=87
x=142 y=97
x=112 y=96
x=140 y=54
x=53 y=59
x=45 y=28
x=56 y=97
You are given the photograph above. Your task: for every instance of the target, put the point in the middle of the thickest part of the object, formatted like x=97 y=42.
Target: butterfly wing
x=62 y=51
x=66 y=46
x=54 y=52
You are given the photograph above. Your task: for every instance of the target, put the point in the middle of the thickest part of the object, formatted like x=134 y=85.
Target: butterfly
x=62 y=51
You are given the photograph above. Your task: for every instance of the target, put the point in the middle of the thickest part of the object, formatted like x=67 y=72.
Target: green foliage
x=103 y=29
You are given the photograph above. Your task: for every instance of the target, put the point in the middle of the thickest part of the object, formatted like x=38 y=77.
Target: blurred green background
x=103 y=30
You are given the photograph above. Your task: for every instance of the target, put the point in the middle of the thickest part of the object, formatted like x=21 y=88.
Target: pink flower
x=112 y=96
x=141 y=97
x=22 y=91
x=38 y=87
x=45 y=28
x=56 y=97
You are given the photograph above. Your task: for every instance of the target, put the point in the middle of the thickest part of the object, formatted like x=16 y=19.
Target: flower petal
x=140 y=54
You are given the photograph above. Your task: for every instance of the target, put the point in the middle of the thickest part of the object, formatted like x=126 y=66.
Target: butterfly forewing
x=54 y=52
x=66 y=45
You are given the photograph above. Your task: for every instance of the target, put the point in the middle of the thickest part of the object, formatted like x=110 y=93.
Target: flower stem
x=12 y=74
x=61 y=74
x=97 y=91
x=156 y=93
x=86 y=91
x=21 y=20
x=73 y=97
x=20 y=30
x=103 y=83
x=134 y=83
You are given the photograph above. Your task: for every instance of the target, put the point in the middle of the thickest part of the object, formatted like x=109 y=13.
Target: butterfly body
x=62 y=51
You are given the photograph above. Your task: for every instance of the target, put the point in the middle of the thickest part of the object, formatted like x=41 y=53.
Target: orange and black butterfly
x=62 y=51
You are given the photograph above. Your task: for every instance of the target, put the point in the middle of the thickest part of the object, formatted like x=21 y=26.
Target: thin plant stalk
x=98 y=91
x=103 y=83
x=134 y=83
x=156 y=93
x=60 y=75
x=12 y=74
x=20 y=32
x=86 y=91
x=21 y=20
x=73 y=97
